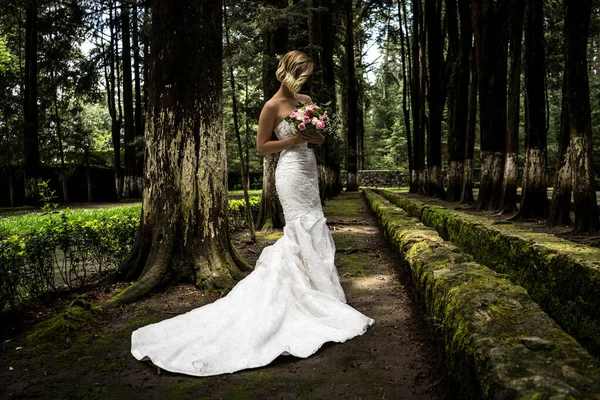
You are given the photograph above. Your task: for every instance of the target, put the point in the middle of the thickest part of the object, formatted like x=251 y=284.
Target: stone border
x=561 y=276
x=499 y=343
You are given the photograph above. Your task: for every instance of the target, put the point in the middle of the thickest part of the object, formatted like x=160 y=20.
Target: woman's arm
x=264 y=144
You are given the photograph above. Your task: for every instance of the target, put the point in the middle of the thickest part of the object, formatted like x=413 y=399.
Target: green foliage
x=4 y=55
x=237 y=211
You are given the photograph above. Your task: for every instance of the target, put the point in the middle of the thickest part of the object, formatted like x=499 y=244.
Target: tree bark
x=352 y=101
x=560 y=205
x=416 y=100
x=59 y=134
x=184 y=231
x=489 y=27
x=466 y=195
x=577 y=25
x=436 y=97
x=139 y=110
x=130 y=183
x=30 y=111
x=404 y=49
x=460 y=105
x=534 y=200
x=508 y=203
x=115 y=118
x=275 y=42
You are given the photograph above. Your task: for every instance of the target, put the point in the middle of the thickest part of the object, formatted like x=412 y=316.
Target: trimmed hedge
x=499 y=343
x=561 y=276
x=71 y=250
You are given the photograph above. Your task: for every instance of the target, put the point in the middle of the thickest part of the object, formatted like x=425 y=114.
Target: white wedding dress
x=291 y=303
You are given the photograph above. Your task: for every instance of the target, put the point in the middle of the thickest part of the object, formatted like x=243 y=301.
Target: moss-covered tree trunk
x=436 y=97
x=184 y=231
x=275 y=43
x=30 y=107
x=466 y=195
x=534 y=200
x=352 y=100
x=577 y=23
x=508 y=203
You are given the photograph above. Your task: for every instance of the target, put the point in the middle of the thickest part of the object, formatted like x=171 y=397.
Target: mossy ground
x=395 y=359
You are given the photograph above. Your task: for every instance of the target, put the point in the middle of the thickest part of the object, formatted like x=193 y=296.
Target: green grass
x=23 y=224
x=22 y=220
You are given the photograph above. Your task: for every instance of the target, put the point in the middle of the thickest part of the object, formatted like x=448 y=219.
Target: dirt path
x=395 y=359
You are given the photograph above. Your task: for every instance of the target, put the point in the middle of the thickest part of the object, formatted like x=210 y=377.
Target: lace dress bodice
x=296 y=176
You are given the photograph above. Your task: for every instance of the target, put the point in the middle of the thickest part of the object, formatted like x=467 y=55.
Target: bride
x=292 y=302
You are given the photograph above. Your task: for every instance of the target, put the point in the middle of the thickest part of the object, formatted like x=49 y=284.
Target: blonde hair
x=294 y=69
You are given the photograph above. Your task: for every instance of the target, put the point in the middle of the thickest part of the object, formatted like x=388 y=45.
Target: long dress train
x=291 y=303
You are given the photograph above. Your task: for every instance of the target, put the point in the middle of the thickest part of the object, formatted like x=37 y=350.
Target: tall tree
x=352 y=100
x=436 y=97
x=466 y=195
x=275 y=42
x=534 y=200
x=234 y=104
x=577 y=25
x=508 y=202
x=184 y=231
x=459 y=107
x=491 y=41
x=406 y=73
x=139 y=109
x=31 y=139
x=130 y=183
x=417 y=94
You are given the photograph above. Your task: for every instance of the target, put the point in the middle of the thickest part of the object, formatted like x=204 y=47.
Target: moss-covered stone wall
x=561 y=276
x=499 y=343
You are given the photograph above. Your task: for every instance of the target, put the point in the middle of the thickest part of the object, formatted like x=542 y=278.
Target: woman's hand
x=317 y=139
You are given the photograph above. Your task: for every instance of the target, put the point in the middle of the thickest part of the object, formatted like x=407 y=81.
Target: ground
x=396 y=359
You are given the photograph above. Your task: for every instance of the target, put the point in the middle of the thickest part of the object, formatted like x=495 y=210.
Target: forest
x=458 y=180
x=445 y=96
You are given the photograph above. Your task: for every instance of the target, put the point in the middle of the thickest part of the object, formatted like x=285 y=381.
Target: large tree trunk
x=577 y=24
x=352 y=101
x=466 y=195
x=30 y=112
x=560 y=205
x=184 y=231
x=130 y=184
x=139 y=110
x=111 y=89
x=436 y=97
x=332 y=151
x=508 y=203
x=489 y=27
x=275 y=42
x=416 y=100
x=406 y=69
x=458 y=130
x=534 y=200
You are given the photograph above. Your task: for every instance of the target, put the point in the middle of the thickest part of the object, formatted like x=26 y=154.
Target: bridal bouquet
x=309 y=119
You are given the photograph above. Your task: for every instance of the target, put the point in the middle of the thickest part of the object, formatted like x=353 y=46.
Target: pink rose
x=302 y=126
x=306 y=119
x=321 y=124
x=294 y=114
